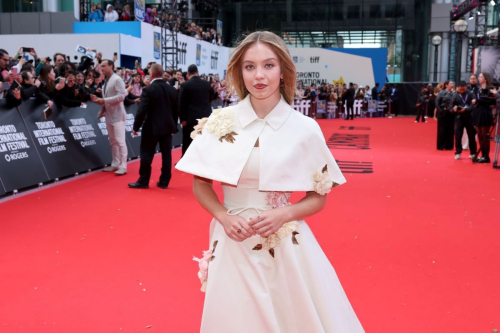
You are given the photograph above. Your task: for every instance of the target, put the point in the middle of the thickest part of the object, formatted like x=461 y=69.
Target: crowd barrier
x=35 y=150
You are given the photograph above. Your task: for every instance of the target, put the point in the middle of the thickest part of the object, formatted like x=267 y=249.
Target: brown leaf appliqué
x=294 y=240
x=229 y=137
x=257 y=247
x=271 y=252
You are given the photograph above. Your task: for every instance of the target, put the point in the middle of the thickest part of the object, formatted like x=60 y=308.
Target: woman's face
x=52 y=75
x=99 y=5
x=481 y=78
x=137 y=79
x=80 y=78
x=261 y=71
x=71 y=80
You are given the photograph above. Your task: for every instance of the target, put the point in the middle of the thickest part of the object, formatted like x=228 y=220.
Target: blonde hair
x=276 y=43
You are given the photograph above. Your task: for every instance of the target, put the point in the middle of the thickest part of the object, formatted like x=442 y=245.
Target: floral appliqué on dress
x=323 y=183
x=277 y=200
x=221 y=123
x=203 y=262
x=198 y=128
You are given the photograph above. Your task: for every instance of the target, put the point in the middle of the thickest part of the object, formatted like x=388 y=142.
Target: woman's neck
x=483 y=85
x=263 y=107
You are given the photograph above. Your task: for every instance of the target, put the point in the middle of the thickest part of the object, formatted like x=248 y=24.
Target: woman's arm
x=270 y=221
x=205 y=194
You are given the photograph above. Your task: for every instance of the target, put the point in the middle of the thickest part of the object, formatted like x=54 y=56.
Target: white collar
x=277 y=117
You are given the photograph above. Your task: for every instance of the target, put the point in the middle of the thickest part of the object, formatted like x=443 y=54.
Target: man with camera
x=113 y=109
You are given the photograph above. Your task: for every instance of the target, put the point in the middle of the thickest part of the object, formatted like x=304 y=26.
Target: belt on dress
x=238 y=211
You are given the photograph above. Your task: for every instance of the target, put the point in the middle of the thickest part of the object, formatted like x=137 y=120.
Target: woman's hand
x=268 y=222
x=233 y=223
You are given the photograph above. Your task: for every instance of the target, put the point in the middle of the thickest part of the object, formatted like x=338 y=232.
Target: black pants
x=483 y=133
x=421 y=112
x=395 y=108
x=186 y=137
x=349 y=110
x=148 y=148
x=462 y=123
x=446 y=123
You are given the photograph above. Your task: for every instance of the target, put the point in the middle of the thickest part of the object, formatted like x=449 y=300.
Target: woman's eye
x=249 y=67
x=269 y=65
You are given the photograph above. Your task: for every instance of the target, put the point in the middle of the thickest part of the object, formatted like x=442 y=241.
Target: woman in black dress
x=483 y=117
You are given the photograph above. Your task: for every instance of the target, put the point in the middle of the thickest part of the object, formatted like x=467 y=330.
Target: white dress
x=250 y=291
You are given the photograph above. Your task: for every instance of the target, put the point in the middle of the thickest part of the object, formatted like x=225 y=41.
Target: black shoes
x=162 y=186
x=483 y=160
x=138 y=185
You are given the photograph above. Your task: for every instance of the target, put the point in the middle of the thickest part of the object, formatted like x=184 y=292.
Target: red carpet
x=415 y=244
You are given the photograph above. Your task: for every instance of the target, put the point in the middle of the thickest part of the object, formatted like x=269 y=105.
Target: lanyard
x=466 y=97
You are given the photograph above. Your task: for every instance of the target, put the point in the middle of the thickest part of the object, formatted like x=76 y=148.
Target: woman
x=125 y=15
x=446 y=119
x=48 y=85
x=70 y=95
x=111 y=14
x=438 y=88
x=268 y=273
x=482 y=115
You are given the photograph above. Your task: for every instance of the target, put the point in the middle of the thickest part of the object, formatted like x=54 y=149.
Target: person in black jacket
x=461 y=106
x=30 y=88
x=421 y=105
x=446 y=119
x=158 y=117
x=483 y=116
x=194 y=101
x=70 y=94
x=349 y=98
x=375 y=91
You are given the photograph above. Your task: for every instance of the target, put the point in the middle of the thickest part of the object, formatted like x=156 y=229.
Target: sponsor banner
x=157 y=45
x=317 y=66
x=219 y=27
x=198 y=54
x=2 y=189
x=20 y=164
x=139 y=9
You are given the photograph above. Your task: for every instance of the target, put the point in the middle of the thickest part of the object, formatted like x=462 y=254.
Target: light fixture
x=436 y=40
x=471 y=16
x=492 y=2
x=460 y=26
x=478 y=12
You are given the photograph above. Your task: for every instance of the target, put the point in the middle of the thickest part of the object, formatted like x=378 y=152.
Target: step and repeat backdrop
x=35 y=149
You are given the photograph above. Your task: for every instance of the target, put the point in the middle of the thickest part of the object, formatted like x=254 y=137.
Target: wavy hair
x=276 y=43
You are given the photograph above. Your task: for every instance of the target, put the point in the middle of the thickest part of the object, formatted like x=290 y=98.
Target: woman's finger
x=246 y=228
x=262 y=231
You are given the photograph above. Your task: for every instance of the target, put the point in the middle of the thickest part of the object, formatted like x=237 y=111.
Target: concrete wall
x=36 y=23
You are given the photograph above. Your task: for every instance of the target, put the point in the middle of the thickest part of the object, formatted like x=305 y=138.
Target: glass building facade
x=400 y=25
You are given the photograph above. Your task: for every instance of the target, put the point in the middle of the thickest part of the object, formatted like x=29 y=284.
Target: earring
x=282 y=83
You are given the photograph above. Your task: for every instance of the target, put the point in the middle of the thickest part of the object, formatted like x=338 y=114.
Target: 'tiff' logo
x=198 y=54
x=157 y=45
x=314 y=60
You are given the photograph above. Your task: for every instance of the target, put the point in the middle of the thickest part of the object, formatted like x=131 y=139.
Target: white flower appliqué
x=199 y=128
x=221 y=123
x=323 y=183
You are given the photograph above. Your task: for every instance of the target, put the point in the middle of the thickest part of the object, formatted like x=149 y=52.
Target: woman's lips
x=260 y=86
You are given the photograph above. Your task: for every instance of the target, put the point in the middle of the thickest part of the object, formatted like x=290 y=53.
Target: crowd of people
x=342 y=97
x=468 y=108
x=175 y=23
x=58 y=80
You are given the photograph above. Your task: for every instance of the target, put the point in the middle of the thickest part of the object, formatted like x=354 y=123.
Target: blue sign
x=140 y=9
x=157 y=46
x=219 y=27
x=198 y=54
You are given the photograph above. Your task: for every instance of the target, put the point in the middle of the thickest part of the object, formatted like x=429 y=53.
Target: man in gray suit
x=114 y=93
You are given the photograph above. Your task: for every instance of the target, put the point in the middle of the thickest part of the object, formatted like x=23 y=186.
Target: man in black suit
x=158 y=113
x=194 y=99
x=349 y=98
x=375 y=91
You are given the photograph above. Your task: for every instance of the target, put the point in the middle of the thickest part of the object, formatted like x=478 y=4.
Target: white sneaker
x=416 y=121
x=457 y=156
x=110 y=169
x=121 y=172
x=472 y=156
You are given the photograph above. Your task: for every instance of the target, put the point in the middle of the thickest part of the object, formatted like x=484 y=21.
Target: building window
x=375 y=12
x=353 y=12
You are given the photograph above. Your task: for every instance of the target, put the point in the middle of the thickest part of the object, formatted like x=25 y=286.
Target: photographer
x=446 y=119
x=461 y=106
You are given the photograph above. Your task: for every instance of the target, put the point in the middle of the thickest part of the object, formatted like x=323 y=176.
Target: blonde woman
x=264 y=270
